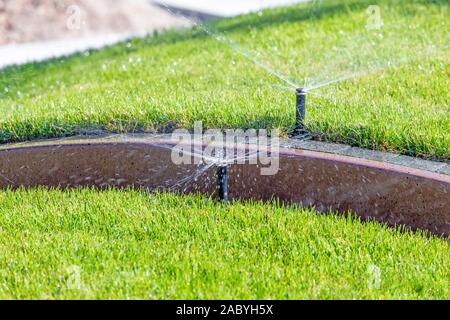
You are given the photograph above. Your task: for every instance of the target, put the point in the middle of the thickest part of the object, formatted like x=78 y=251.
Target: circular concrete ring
x=388 y=193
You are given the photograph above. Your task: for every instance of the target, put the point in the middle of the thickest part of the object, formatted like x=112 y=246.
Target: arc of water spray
x=207 y=163
x=362 y=73
x=233 y=46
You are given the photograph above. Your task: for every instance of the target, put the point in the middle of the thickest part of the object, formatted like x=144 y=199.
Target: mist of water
x=352 y=57
x=233 y=46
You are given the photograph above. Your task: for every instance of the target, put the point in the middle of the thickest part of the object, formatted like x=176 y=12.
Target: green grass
x=128 y=244
x=175 y=78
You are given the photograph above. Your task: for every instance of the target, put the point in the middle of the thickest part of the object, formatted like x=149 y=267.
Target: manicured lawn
x=128 y=244
x=176 y=78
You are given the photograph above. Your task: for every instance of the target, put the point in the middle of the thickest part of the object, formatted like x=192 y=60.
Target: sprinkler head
x=222 y=183
x=300 y=110
x=300 y=91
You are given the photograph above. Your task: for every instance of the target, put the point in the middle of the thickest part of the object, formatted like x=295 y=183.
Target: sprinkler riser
x=222 y=183
x=300 y=111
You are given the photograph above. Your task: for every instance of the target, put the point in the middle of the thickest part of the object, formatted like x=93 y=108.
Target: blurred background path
x=226 y=8
x=36 y=30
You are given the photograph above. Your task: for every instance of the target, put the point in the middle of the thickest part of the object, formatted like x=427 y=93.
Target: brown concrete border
x=394 y=194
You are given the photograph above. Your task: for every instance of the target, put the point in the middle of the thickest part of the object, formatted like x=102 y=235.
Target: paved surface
x=293 y=143
x=24 y=21
x=36 y=31
x=394 y=194
x=119 y=23
x=226 y=7
x=392 y=158
x=39 y=51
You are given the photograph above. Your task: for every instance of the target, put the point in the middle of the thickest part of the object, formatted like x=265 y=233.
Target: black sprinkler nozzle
x=300 y=110
x=222 y=183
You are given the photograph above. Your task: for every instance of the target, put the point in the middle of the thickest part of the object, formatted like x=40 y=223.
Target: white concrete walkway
x=17 y=54
x=226 y=7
